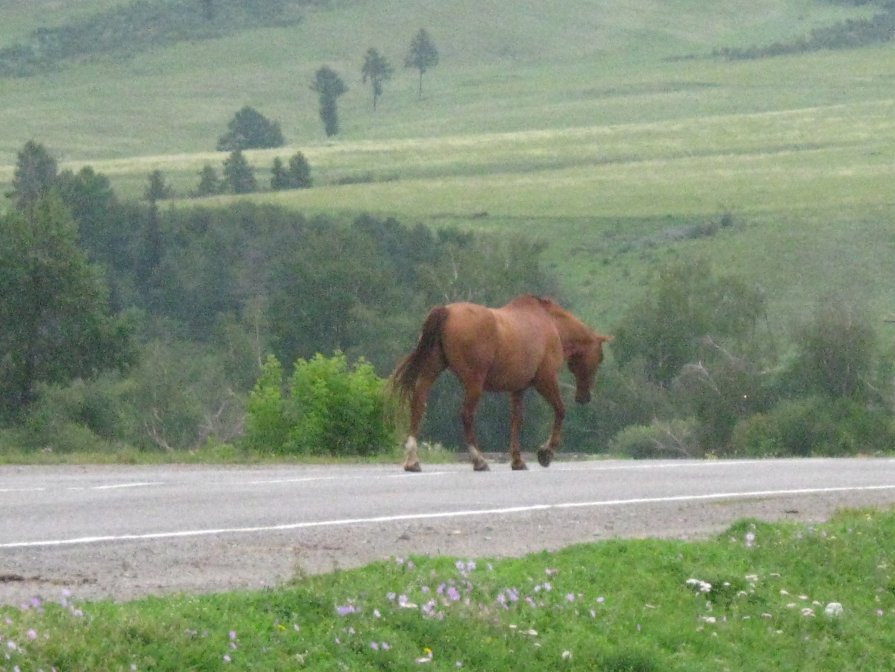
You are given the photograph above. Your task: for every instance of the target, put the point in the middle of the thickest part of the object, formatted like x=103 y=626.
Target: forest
x=130 y=326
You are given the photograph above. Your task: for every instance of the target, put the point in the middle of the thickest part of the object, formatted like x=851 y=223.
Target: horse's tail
x=403 y=380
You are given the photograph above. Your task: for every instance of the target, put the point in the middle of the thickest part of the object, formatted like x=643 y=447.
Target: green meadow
x=757 y=597
x=606 y=130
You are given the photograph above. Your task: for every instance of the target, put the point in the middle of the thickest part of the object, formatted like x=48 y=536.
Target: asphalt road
x=126 y=532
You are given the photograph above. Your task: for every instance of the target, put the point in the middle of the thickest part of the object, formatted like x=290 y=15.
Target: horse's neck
x=572 y=331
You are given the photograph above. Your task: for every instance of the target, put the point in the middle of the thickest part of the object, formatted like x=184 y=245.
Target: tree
x=328 y=86
x=238 y=174
x=376 y=69
x=158 y=189
x=249 y=129
x=687 y=308
x=209 y=182
x=296 y=176
x=422 y=55
x=55 y=323
x=35 y=174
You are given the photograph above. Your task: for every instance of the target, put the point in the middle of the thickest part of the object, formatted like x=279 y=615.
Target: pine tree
x=422 y=55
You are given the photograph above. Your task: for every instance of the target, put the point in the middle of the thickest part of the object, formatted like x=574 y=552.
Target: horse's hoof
x=481 y=466
x=415 y=467
x=520 y=466
x=545 y=457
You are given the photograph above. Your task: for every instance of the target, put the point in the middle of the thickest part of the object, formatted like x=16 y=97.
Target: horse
x=508 y=349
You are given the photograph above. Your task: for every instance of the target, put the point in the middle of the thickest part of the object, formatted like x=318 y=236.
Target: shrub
x=837 y=351
x=331 y=409
x=266 y=426
x=815 y=426
x=676 y=438
x=335 y=409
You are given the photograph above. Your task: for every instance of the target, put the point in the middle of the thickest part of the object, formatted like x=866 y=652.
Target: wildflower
x=426 y=657
x=453 y=594
x=227 y=659
x=374 y=646
x=808 y=612
x=346 y=609
x=570 y=597
x=567 y=655
x=32 y=635
x=834 y=610
x=750 y=539
x=701 y=586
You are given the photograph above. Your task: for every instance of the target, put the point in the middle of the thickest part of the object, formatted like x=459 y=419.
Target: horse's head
x=584 y=359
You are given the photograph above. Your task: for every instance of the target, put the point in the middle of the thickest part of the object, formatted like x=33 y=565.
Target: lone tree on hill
x=328 y=86
x=378 y=70
x=422 y=55
x=249 y=129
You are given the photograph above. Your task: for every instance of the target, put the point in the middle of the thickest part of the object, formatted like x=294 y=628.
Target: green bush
x=659 y=439
x=331 y=409
x=815 y=426
x=80 y=417
x=266 y=426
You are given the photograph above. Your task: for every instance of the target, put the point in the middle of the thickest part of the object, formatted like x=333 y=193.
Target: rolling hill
x=615 y=131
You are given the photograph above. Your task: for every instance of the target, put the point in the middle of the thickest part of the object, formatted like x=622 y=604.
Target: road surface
x=125 y=532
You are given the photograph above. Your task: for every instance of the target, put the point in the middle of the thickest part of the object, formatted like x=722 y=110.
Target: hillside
x=607 y=129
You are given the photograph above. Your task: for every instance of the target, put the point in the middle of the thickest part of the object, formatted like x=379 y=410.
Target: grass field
x=758 y=597
x=604 y=129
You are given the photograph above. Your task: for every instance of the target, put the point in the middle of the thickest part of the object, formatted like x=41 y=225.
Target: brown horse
x=505 y=349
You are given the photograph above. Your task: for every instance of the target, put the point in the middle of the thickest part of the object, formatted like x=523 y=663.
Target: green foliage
x=239 y=177
x=296 y=176
x=328 y=86
x=815 y=426
x=422 y=55
x=55 y=322
x=34 y=176
x=674 y=439
x=332 y=409
x=140 y=25
x=850 y=34
x=249 y=129
x=267 y=429
x=837 y=351
x=687 y=306
x=209 y=182
x=378 y=70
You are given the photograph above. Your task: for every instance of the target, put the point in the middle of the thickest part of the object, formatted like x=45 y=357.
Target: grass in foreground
x=758 y=597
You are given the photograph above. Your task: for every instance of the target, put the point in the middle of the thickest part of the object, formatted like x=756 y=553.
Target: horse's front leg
x=516 y=412
x=467 y=417
x=549 y=389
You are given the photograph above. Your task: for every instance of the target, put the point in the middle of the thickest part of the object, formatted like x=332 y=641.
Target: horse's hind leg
x=515 y=430
x=467 y=416
x=417 y=410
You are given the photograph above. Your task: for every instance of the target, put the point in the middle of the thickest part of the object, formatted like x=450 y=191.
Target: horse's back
x=505 y=347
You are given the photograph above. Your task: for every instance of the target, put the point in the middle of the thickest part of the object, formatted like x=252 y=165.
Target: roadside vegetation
x=726 y=219
x=757 y=597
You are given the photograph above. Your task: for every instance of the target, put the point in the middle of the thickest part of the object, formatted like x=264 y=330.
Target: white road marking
x=123 y=486
x=441 y=515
